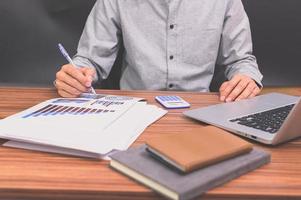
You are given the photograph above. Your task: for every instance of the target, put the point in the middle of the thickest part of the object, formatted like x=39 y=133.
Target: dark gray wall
x=31 y=29
x=30 y=32
x=276 y=28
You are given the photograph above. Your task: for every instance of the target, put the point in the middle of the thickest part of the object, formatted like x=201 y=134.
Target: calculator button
x=176 y=98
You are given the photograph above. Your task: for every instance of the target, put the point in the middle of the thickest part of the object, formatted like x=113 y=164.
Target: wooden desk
x=34 y=175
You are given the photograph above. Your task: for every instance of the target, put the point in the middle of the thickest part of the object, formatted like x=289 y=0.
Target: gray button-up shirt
x=168 y=44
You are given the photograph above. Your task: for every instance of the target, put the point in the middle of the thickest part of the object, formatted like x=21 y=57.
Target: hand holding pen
x=71 y=81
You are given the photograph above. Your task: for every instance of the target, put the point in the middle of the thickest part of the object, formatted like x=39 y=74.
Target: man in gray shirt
x=168 y=45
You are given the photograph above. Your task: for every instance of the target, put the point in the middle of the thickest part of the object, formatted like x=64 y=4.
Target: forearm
x=99 y=44
x=236 y=50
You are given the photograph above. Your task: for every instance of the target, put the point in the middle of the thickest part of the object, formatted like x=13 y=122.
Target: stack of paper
x=89 y=127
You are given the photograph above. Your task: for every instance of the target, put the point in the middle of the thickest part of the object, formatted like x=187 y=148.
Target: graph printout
x=96 y=125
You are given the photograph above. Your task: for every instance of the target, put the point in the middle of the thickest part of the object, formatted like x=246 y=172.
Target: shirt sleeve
x=236 y=49
x=100 y=41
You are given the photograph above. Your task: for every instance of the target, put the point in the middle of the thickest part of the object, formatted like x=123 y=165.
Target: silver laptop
x=271 y=118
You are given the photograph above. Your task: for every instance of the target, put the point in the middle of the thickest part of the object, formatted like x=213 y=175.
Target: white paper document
x=80 y=126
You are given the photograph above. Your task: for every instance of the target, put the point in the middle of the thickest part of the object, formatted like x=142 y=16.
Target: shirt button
x=171 y=57
x=170 y=85
x=171 y=26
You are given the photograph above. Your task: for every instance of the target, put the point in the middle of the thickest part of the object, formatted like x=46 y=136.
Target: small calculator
x=172 y=102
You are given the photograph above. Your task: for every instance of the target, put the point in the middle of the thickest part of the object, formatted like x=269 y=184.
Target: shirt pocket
x=200 y=45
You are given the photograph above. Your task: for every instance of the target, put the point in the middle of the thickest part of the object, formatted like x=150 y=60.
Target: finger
x=67 y=88
x=221 y=90
x=240 y=87
x=230 y=86
x=76 y=74
x=65 y=94
x=247 y=91
x=63 y=77
x=255 y=92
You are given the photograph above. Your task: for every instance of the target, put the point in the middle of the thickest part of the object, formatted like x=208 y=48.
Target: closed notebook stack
x=197 y=148
x=141 y=166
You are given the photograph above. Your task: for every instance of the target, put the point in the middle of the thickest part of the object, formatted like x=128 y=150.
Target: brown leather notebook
x=196 y=149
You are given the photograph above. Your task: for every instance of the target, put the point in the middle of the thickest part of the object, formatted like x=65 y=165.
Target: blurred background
x=31 y=29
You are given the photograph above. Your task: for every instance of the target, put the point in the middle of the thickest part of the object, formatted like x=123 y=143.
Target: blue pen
x=66 y=55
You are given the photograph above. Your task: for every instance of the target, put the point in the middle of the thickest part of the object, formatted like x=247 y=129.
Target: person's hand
x=238 y=88
x=71 y=81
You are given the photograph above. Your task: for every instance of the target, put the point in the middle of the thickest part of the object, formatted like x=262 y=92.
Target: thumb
x=89 y=73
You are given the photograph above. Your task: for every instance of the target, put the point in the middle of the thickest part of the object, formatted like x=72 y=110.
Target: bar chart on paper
x=65 y=110
x=77 y=107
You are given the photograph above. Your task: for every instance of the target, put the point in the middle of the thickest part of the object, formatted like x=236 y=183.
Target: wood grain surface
x=34 y=175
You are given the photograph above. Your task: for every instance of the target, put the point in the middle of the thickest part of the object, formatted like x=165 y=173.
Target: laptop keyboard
x=269 y=121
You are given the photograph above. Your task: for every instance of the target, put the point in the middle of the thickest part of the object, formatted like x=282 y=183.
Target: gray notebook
x=138 y=164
